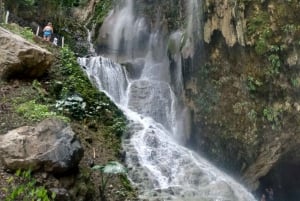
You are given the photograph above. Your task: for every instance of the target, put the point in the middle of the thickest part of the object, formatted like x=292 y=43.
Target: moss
x=80 y=100
x=37 y=112
x=25 y=32
x=101 y=11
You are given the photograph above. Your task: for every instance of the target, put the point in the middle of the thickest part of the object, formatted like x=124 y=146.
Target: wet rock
x=155 y=95
x=134 y=68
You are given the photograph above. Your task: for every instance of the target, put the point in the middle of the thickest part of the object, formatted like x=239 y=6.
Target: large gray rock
x=50 y=146
x=20 y=58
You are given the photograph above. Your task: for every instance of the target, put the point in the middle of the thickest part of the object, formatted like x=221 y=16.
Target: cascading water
x=150 y=94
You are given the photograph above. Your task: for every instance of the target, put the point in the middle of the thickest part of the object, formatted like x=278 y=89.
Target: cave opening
x=284 y=179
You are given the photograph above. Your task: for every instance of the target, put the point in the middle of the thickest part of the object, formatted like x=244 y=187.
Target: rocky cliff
x=245 y=93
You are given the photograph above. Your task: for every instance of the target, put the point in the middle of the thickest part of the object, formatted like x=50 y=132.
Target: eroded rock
x=228 y=18
x=282 y=152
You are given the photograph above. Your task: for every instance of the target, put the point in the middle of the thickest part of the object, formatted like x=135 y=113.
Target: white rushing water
x=149 y=90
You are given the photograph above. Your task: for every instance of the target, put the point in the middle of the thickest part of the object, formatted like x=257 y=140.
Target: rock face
x=50 y=146
x=226 y=16
x=275 y=160
x=20 y=58
x=244 y=94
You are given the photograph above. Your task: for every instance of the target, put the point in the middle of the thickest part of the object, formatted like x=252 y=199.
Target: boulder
x=51 y=146
x=20 y=58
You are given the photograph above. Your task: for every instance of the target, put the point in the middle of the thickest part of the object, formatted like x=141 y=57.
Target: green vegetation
x=295 y=81
x=25 y=32
x=208 y=96
x=37 y=112
x=57 y=12
x=253 y=83
x=252 y=115
x=101 y=10
x=72 y=105
x=106 y=173
x=28 y=2
x=272 y=115
x=65 y=92
x=290 y=28
x=32 y=3
x=36 y=109
x=80 y=100
x=24 y=187
x=258 y=29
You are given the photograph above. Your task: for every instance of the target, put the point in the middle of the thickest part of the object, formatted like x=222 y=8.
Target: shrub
x=26 y=189
x=25 y=32
x=253 y=83
x=106 y=173
x=36 y=112
x=272 y=115
x=73 y=106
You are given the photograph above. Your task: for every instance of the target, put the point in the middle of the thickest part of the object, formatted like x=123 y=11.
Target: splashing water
x=150 y=94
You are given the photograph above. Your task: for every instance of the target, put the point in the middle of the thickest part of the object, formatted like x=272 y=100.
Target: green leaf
x=98 y=167
x=112 y=167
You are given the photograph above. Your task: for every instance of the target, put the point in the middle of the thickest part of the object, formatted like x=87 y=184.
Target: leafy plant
x=261 y=46
x=102 y=8
x=253 y=83
x=25 y=32
x=295 y=82
x=274 y=59
x=252 y=115
x=35 y=112
x=29 y=2
x=96 y=103
x=119 y=126
x=26 y=189
x=258 y=22
x=106 y=173
x=290 y=28
x=42 y=93
x=272 y=115
x=73 y=106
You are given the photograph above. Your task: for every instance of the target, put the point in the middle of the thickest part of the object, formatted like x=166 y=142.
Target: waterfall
x=148 y=88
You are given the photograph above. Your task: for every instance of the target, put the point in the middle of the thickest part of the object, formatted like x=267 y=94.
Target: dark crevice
x=284 y=179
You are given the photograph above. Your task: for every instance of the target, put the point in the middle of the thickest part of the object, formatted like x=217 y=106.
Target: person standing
x=263 y=197
x=48 y=31
x=271 y=194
